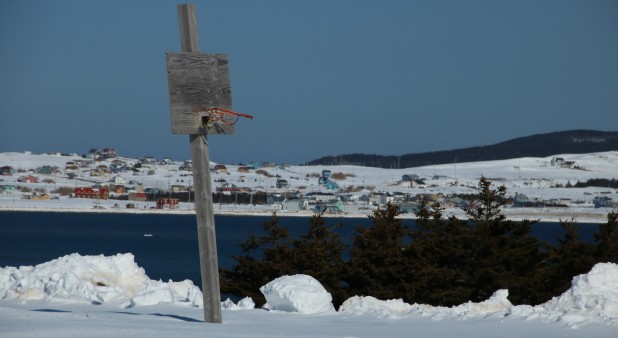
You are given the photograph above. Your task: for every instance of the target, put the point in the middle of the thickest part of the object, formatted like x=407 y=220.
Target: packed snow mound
x=592 y=298
x=297 y=293
x=496 y=305
x=97 y=279
x=244 y=304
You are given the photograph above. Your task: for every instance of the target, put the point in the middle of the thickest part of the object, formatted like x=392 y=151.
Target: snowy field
x=99 y=296
x=535 y=178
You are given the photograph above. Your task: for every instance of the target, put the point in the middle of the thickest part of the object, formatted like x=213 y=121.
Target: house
x=275 y=198
x=7 y=188
x=148 y=160
x=119 y=180
x=178 y=188
x=219 y=168
x=108 y=153
x=28 y=179
x=253 y=165
x=410 y=177
x=167 y=203
x=228 y=187
x=321 y=196
x=565 y=201
x=119 y=189
x=387 y=198
x=244 y=169
x=408 y=207
x=333 y=206
x=187 y=166
x=350 y=198
x=71 y=166
x=560 y=162
x=138 y=196
x=7 y=171
x=45 y=170
x=556 y=161
x=602 y=202
x=102 y=169
x=152 y=191
x=281 y=183
x=87 y=192
x=291 y=204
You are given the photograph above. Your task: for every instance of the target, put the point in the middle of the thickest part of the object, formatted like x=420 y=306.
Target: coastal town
x=571 y=186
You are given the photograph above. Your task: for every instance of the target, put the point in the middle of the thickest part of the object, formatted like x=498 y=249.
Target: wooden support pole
x=207 y=239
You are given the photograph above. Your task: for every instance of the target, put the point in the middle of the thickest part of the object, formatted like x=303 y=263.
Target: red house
x=28 y=179
x=95 y=193
x=167 y=203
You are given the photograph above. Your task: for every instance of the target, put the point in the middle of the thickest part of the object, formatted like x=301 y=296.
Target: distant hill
x=541 y=145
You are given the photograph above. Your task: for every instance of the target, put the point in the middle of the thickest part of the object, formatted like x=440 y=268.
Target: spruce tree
x=319 y=253
x=607 y=239
x=566 y=260
x=264 y=258
x=377 y=265
x=435 y=256
x=501 y=254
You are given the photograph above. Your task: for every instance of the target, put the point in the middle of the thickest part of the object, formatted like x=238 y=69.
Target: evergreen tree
x=319 y=253
x=436 y=255
x=501 y=254
x=265 y=258
x=486 y=204
x=377 y=264
x=607 y=239
x=569 y=258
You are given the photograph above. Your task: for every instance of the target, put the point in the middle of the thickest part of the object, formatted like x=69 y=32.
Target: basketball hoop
x=227 y=117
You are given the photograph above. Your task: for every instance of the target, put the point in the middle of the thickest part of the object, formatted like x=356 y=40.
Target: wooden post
x=209 y=266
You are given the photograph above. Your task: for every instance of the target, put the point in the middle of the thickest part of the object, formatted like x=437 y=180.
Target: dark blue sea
x=31 y=238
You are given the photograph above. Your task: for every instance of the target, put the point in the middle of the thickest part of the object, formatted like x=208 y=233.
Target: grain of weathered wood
x=197 y=81
x=209 y=266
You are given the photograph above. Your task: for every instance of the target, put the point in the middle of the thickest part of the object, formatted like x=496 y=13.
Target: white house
x=119 y=180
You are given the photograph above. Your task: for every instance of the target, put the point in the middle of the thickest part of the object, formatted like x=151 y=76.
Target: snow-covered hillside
x=540 y=182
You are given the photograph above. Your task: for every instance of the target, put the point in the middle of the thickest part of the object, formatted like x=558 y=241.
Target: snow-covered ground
x=535 y=178
x=99 y=296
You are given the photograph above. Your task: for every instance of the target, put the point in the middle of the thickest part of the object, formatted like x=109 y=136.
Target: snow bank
x=97 y=279
x=496 y=305
x=297 y=293
x=244 y=304
x=592 y=298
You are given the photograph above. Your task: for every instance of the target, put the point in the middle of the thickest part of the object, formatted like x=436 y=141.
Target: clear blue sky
x=321 y=77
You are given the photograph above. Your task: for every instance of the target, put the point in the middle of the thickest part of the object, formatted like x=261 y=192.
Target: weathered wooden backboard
x=196 y=82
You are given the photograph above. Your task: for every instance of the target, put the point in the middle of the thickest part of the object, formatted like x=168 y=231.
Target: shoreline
x=543 y=215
